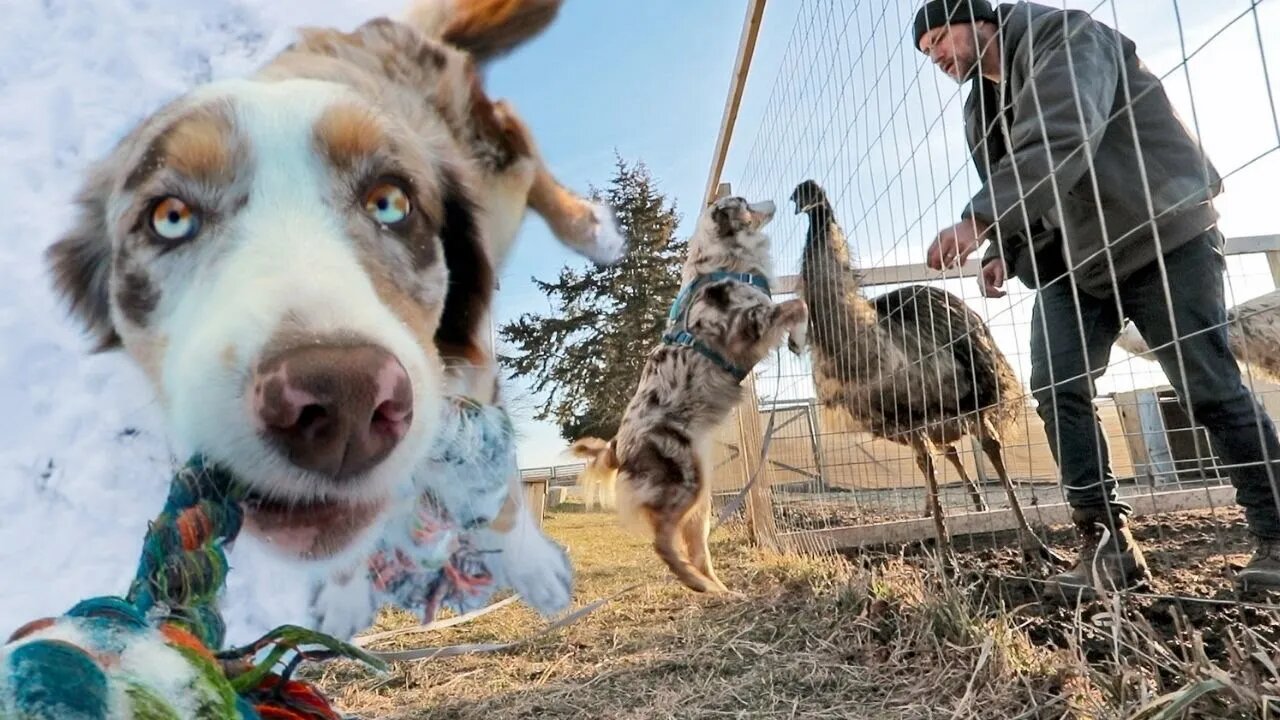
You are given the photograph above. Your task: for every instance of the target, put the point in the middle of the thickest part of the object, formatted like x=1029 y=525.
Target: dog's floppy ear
x=80 y=263
x=489 y=28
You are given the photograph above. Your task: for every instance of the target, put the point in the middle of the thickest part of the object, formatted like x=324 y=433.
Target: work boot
x=1119 y=563
x=1263 y=570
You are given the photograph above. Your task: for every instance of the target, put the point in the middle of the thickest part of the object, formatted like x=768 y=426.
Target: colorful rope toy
x=154 y=654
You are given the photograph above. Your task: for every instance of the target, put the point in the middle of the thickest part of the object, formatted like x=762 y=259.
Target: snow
x=84 y=463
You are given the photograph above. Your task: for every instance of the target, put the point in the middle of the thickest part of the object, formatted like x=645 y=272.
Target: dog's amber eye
x=173 y=219
x=387 y=203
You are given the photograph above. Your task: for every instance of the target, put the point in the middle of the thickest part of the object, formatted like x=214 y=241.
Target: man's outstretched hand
x=992 y=278
x=955 y=244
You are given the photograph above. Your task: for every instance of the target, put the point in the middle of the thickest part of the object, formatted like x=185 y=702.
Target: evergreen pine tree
x=586 y=356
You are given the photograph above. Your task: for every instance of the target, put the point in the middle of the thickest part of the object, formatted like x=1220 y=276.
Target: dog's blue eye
x=173 y=219
x=387 y=204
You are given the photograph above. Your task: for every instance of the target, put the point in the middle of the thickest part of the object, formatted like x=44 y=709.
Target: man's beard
x=968 y=71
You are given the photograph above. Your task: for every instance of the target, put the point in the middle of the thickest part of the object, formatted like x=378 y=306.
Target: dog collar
x=677 y=320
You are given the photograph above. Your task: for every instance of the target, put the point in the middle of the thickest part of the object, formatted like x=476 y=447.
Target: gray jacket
x=1063 y=166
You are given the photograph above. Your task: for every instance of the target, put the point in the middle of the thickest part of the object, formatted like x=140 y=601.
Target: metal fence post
x=760 y=522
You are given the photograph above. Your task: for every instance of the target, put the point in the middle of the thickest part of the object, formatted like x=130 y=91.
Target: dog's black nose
x=334 y=410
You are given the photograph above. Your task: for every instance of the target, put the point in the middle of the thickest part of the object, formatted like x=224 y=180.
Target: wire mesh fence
x=1093 y=142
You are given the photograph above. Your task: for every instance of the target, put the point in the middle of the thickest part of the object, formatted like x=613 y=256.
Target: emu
x=915 y=366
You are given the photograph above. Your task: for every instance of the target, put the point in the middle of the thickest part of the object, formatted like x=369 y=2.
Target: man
x=1096 y=196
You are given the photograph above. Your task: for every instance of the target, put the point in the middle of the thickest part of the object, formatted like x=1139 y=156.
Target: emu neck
x=831 y=288
x=827 y=268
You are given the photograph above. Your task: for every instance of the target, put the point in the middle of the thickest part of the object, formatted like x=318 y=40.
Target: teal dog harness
x=678 y=319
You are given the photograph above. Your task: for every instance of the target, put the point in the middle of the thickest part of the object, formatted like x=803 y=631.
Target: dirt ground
x=858 y=636
x=1193 y=557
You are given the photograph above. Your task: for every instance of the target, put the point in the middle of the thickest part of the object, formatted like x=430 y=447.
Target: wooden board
x=535 y=498
x=908 y=531
x=856 y=460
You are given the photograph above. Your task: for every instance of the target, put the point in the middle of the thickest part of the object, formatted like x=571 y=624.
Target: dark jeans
x=1069 y=352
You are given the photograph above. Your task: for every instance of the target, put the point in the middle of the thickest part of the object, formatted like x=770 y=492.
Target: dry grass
x=815 y=638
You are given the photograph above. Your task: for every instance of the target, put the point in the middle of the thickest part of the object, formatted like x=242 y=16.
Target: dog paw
x=547 y=594
x=537 y=569
x=342 y=607
x=797 y=341
x=547 y=583
x=608 y=244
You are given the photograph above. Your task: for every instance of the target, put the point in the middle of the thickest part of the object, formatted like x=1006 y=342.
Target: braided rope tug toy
x=154 y=654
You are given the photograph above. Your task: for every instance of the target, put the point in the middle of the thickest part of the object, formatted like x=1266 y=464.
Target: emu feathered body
x=916 y=365
x=911 y=360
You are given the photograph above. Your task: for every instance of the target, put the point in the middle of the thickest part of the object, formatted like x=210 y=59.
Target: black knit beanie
x=937 y=13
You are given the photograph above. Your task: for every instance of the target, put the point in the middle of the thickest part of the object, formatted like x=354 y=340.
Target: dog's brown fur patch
x=567 y=216
x=486 y=28
x=348 y=133
x=506 y=518
x=498 y=129
x=199 y=145
x=199 y=148
x=418 y=318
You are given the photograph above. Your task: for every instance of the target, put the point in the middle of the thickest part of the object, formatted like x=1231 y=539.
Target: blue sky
x=837 y=93
x=647 y=79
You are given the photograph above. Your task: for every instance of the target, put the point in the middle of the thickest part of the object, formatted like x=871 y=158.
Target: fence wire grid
x=853 y=106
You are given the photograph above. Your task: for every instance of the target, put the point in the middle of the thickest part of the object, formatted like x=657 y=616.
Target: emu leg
x=953 y=455
x=924 y=460
x=1031 y=544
